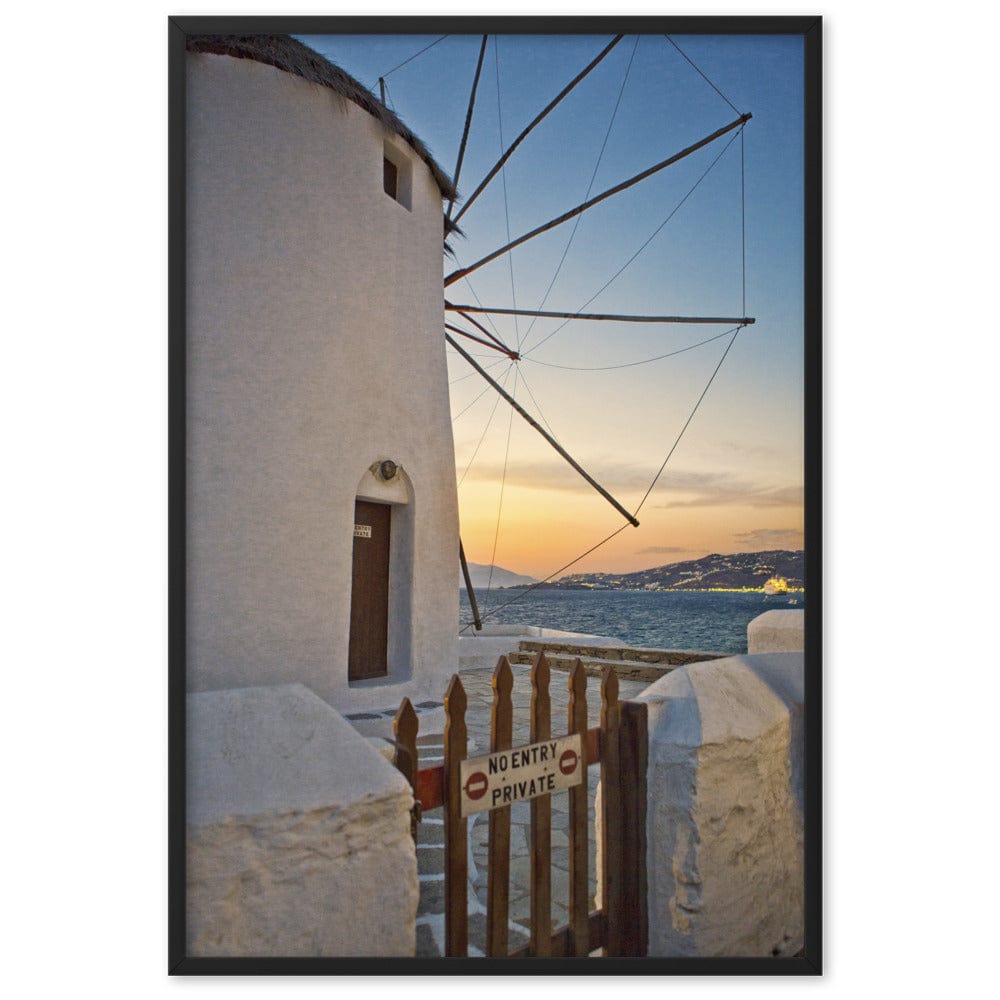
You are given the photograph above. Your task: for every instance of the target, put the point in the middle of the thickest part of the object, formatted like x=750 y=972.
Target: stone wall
x=298 y=832
x=725 y=808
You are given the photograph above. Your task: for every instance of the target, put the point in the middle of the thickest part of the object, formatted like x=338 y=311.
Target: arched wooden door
x=369 y=642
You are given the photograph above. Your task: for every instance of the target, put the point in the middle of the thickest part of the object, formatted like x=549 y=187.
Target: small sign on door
x=362 y=531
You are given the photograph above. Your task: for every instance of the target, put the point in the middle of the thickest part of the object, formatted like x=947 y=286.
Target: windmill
x=465 y=322
x=304 y=319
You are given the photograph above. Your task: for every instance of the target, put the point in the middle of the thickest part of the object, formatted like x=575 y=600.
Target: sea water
x=713 y=621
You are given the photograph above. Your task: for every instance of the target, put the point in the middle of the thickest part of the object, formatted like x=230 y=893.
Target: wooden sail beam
x=468 y=125
x=548 y=437
x=513 y=355
x=616 y=317
x=506 y=156
x=482 y=329
x=573 y=212
x=476 y=620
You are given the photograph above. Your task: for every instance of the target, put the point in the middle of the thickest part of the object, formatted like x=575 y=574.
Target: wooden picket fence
x=619 y=744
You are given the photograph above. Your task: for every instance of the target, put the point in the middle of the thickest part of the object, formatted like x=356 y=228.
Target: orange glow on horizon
x=543 y=530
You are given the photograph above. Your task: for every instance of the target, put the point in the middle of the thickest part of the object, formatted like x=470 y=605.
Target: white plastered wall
x=298 y=832
x=724 y=821
x=777 y=631
x=314 y=350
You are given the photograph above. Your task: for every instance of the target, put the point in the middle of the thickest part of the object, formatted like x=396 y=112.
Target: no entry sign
x=509 y=776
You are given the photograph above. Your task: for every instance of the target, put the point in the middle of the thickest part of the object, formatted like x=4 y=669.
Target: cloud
x=559 y=475
x=760 y=452
x=722 y=490
x=662 y=550
x=771 y=538
x=628 y=482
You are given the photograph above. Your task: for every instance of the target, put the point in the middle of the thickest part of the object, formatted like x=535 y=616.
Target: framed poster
x=495 y=481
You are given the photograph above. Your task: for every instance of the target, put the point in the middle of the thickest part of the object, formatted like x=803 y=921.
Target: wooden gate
x=619 y=744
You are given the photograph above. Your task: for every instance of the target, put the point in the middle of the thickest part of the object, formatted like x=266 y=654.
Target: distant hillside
x=737 y=571
x=501 y=578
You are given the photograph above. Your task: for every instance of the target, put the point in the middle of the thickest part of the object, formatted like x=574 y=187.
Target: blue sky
x=735 y=481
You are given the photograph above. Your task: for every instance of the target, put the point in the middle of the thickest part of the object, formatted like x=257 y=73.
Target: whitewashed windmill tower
x=321 y=501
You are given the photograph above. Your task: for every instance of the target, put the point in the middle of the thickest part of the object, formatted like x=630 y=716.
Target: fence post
x=541 y=819
x=578 y=834
x=404 y=756
x=611 y=811
x=498 y=870
x=634 y=744
x=456 y=861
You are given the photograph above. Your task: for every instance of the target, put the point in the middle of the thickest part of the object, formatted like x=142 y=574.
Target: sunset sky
x=735 y=482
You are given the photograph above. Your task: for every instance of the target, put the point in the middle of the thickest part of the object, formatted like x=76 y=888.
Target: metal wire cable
x=677 y=441
x=503 y=178
x=590 y=187
x=479 y=302
x=535 y=401
x=702 y=75
x=743 y=223
x=734 y=332
x=414 y=56
x=492 y=356
x=472 y=404
x=471 y=200
x=528 y=590
x=482 y=437
x=633 y=364
x=618 y=531
x=503 y=484
x=495 y=364
x=652 y=236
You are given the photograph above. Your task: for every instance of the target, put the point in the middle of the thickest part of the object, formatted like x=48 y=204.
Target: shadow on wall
x=674 y=739
x=784 y=677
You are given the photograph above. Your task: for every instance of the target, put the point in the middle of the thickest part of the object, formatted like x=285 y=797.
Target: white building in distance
x=322 y=517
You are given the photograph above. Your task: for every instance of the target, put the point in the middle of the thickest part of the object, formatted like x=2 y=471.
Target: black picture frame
x=809 y=962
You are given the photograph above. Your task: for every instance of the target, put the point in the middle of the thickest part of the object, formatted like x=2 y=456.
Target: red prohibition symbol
x=476 y=785
x=567 y=762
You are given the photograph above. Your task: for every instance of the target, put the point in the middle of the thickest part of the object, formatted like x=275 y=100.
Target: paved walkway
x=430 y=837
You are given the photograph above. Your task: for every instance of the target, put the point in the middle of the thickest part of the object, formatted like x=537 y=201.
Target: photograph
x=495 y=506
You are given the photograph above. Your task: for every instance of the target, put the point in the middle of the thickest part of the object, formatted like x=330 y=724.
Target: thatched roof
x=292 y=56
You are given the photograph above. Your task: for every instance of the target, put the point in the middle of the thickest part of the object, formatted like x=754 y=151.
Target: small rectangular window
x=390 y=178
x=397 y=174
